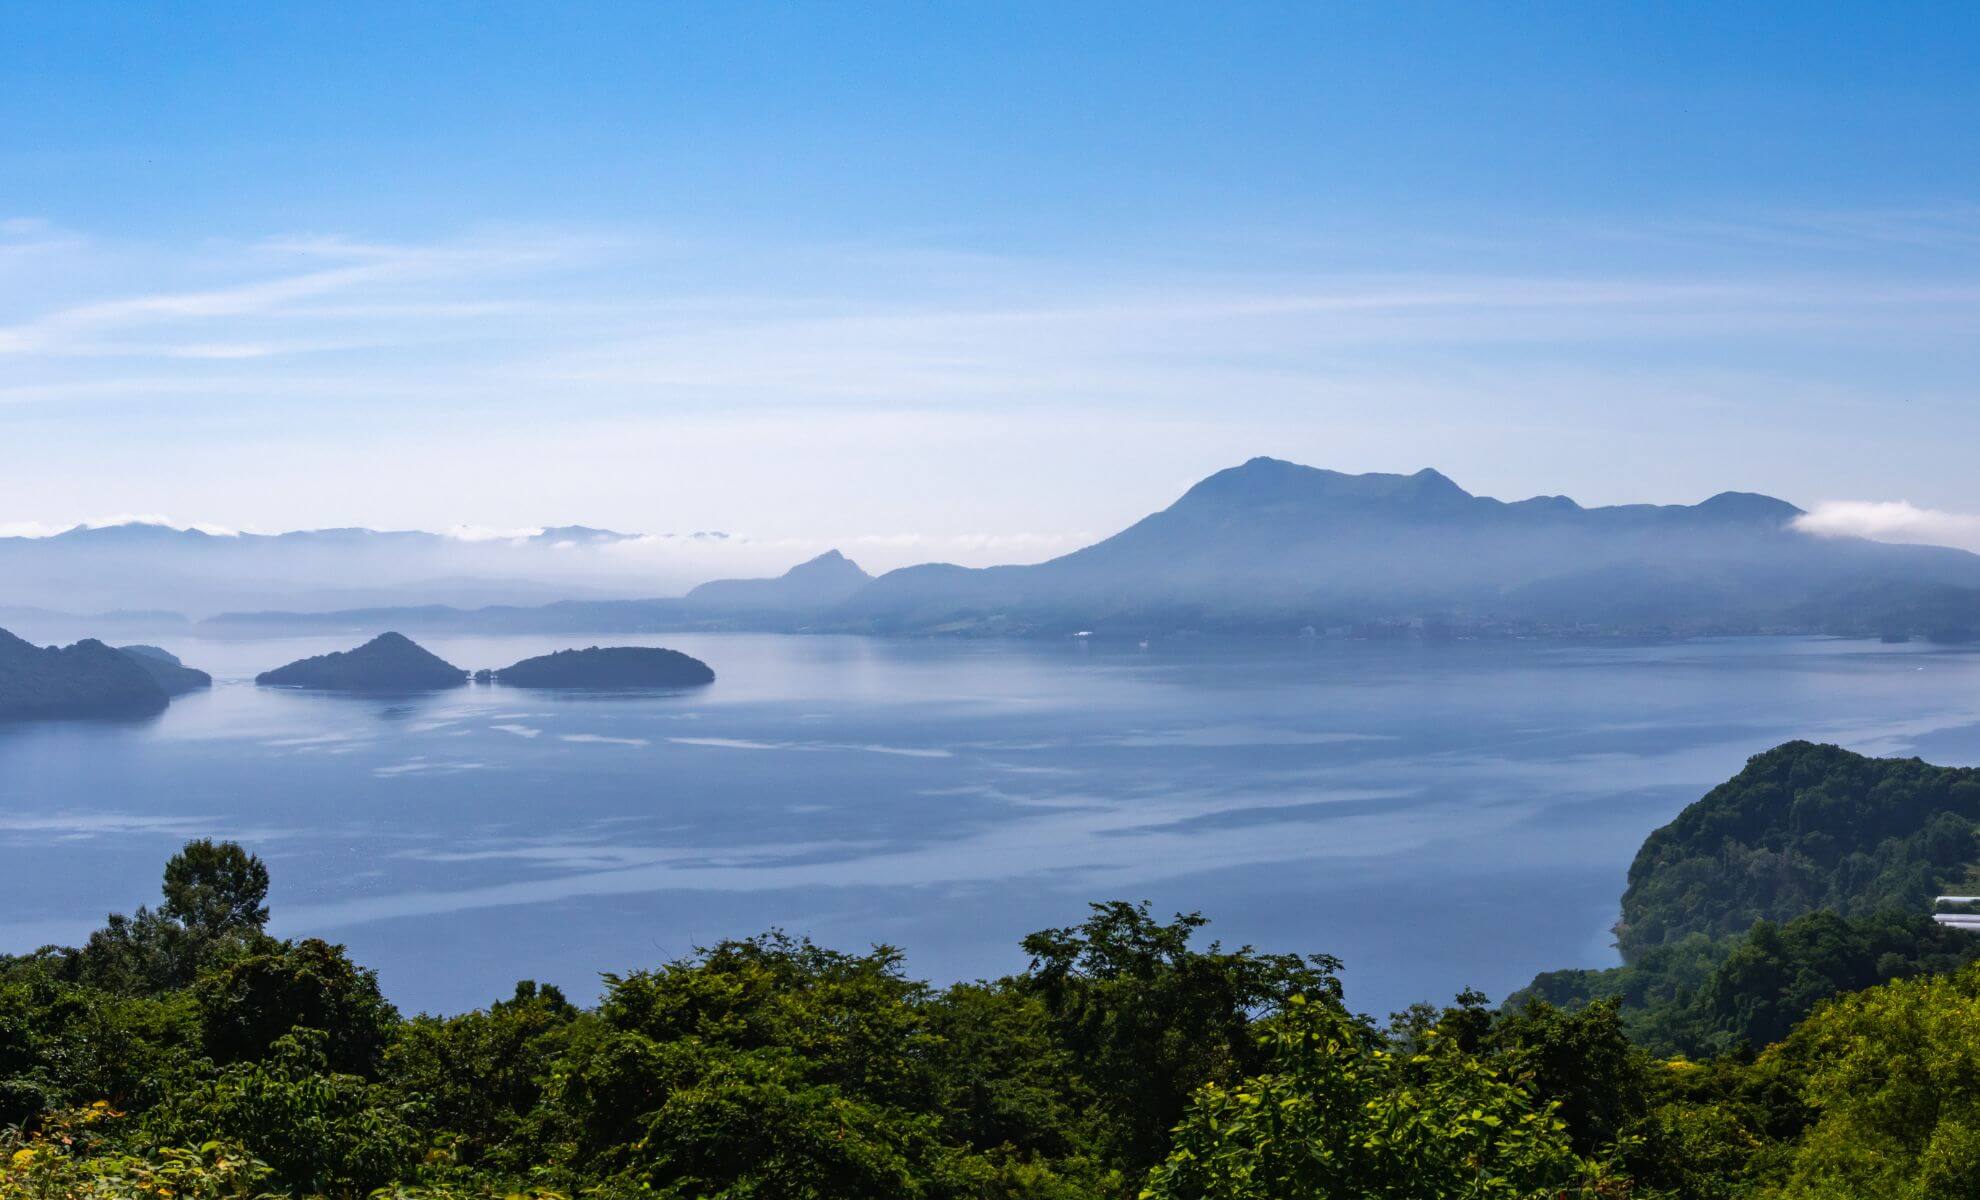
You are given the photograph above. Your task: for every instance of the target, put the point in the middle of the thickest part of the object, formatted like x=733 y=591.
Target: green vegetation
x=1803 y=827
x=183 y=1052
x=1807 y=875
x=1703 y=996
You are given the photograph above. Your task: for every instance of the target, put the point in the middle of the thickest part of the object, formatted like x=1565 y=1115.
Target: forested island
x=1815 y=1053
x=388 y=662
x=87 y=679
x=605 y=667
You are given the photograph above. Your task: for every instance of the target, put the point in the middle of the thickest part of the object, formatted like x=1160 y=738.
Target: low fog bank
x=154 y=569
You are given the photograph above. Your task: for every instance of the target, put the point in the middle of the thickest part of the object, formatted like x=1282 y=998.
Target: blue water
x=1439 y=816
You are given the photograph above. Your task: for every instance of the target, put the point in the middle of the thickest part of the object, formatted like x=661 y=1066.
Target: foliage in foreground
x=182 y=1052
x=1341 y=1114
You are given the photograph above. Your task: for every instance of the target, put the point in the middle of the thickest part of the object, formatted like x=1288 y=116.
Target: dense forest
x=181 y=1051
x=1803 y=827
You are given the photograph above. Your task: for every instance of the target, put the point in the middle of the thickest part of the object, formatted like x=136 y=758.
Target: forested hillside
x=88 y=679
x=1703 y=995
x=1803 y=827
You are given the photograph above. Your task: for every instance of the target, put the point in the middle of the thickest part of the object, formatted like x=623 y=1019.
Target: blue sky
x=977 y=281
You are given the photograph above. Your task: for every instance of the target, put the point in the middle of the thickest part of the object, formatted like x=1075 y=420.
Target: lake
x=1438 y=815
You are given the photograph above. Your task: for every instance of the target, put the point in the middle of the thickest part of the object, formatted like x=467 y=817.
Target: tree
x=215 y=888
x=321 y=1131
x=213 y=907
x=1149 y=1019
x=478 y=1075
x=1581 y=1059
x=247 y=1004
x=1893 y=1074
x=1340 y=1116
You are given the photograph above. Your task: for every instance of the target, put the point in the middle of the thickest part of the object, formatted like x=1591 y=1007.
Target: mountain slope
x=820 y=583
x=1803 y=827
x=1272 y=542
x=163 y=666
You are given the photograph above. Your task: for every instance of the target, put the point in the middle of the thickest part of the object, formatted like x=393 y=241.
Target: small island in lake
x=388 y=662
x=88 y=679
x=606 y=667
x=164 y=666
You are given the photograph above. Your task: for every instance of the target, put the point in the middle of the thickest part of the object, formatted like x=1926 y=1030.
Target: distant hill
x=607 y=667
x=1277 y=548
x=817 y=585
x=388 y=662
x=1276 y=545
x=163 y=666
x=88 y=679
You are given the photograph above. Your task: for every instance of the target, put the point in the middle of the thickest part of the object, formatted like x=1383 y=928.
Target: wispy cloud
x=1955 y=228
x=293 y=279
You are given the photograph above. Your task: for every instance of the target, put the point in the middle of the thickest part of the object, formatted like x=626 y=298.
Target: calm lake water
x=1437 y=815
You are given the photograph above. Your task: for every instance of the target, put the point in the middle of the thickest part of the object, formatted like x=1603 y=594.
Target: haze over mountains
x=151 y=567
x=1267 y=546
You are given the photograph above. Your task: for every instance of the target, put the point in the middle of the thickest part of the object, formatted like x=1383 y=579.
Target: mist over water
x=1439 y=815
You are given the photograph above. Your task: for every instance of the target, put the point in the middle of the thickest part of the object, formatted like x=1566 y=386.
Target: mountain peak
x=390 y=661
x=831 y=571
x=829 y=563
x=826 y=579
x=1748 y=508
x=1273 y=481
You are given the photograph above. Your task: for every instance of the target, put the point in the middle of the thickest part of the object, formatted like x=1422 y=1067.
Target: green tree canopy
x=216 y=887
x=1339 y=1115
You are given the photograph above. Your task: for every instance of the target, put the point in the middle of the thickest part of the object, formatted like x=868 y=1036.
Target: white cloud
x=1892 y=521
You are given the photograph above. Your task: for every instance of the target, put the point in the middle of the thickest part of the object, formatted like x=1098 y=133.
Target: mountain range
x=1273 y=543
x=1273 y=546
